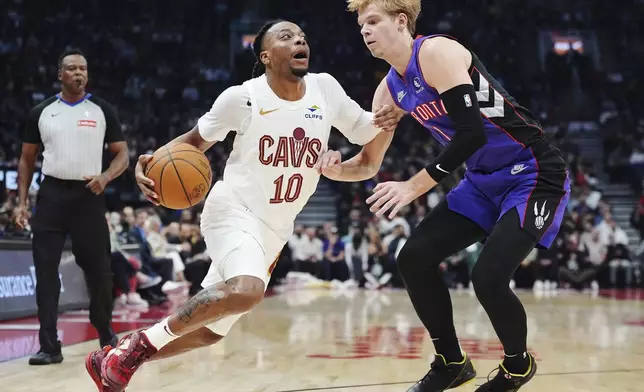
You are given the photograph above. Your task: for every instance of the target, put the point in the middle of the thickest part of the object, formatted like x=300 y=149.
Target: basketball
x=181 y=175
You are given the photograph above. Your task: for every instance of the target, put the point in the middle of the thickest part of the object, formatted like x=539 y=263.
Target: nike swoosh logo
x=263 y=112
x=441 y=169
x=55 y=114
x=516 y=170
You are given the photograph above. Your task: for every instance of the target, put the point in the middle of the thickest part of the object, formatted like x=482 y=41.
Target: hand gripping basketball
x=146 y=184
x=177 y=176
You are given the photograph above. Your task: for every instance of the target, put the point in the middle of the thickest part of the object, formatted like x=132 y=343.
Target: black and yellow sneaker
x=505 y=381
x=443 y=376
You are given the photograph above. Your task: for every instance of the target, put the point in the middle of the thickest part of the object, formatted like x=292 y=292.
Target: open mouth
x=301 y=55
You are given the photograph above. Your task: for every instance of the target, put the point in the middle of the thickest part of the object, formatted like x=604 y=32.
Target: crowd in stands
x=152 y=256
x=162 y=66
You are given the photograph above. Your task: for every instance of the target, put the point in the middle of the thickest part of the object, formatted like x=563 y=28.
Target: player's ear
x=401 y=21
x=264 y=57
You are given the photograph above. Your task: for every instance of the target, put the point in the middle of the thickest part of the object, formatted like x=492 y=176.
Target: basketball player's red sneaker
x=119 y=365
x=93 y=363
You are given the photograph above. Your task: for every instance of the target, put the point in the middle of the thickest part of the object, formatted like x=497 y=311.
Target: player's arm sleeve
x=348 y=117
x=228 y=113
x=444 y=65
x=32 y=132
x=469 y=135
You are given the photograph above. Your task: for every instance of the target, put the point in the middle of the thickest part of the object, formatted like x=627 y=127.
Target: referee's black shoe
x=47 y=356
x=443 y=376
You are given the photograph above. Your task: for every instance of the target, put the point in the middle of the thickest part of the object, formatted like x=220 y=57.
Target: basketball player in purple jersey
x=513 y=196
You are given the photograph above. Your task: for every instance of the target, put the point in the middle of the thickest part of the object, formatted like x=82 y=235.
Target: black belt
x=67 y=183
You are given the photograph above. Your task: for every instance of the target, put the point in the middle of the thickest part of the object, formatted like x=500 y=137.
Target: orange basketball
x=181 y=175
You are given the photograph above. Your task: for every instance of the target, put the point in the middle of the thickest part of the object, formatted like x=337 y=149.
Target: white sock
x=159 y=334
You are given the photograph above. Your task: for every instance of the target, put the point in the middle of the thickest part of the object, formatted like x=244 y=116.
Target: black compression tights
x=443 y=233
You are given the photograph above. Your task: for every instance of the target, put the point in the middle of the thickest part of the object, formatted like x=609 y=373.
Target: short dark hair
x=258 y=46
x=68 y=52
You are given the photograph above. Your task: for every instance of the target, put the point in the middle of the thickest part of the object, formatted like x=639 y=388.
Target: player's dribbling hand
x=387 y=118
x=146 y=184
x=390 y=195
x=330 y=164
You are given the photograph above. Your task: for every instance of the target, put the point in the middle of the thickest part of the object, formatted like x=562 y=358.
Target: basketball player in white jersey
x=283 y=119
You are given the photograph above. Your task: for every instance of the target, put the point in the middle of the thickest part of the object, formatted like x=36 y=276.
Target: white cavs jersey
x=270 y=171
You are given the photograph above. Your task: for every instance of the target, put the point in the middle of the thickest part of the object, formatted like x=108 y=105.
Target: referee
x=73 y=127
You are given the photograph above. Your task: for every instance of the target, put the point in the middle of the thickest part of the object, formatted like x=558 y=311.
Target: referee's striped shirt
x=73 y=135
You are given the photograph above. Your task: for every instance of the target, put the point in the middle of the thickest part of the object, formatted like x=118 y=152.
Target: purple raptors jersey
x=517 y=168
x=510 y=128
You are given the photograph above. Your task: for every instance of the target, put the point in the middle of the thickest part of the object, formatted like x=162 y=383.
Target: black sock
x=517 y=363
x=449 y=349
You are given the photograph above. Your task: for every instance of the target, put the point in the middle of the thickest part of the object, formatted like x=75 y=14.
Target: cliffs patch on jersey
x=314 y=113
x=290 y=151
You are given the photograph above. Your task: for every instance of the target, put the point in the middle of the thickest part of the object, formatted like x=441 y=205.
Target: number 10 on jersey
x=293 y=189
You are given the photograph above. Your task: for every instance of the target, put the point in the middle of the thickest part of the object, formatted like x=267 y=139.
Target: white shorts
x=238 y=244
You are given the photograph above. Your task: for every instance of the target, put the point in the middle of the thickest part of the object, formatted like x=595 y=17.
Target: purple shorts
x=538 y=188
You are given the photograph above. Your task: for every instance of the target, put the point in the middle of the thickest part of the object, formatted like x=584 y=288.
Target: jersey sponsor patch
x=315 y=113
x=87 y=123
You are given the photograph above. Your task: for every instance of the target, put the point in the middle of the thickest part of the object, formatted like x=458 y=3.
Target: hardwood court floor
x=311 y=340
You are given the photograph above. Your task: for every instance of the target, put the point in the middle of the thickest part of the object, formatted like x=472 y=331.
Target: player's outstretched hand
x=392 y=196
x=330 y=164
x=146 y=184
x=387 y=118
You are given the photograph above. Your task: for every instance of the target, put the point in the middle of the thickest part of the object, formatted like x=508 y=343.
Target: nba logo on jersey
x=468 y=100
x=418 y=85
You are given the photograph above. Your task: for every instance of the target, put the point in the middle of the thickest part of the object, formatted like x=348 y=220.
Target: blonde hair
x=411 y=8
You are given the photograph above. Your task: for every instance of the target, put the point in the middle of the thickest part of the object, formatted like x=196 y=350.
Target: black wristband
x=463 y=109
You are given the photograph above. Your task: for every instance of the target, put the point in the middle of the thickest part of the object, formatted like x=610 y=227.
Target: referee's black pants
x=67 y=207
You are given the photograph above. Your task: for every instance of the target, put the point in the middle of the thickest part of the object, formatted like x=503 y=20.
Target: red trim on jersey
x=503 y=129
x=521 y=117
x=442 y=133
x=536 y=182
x=555 y=210
x=420 y=68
